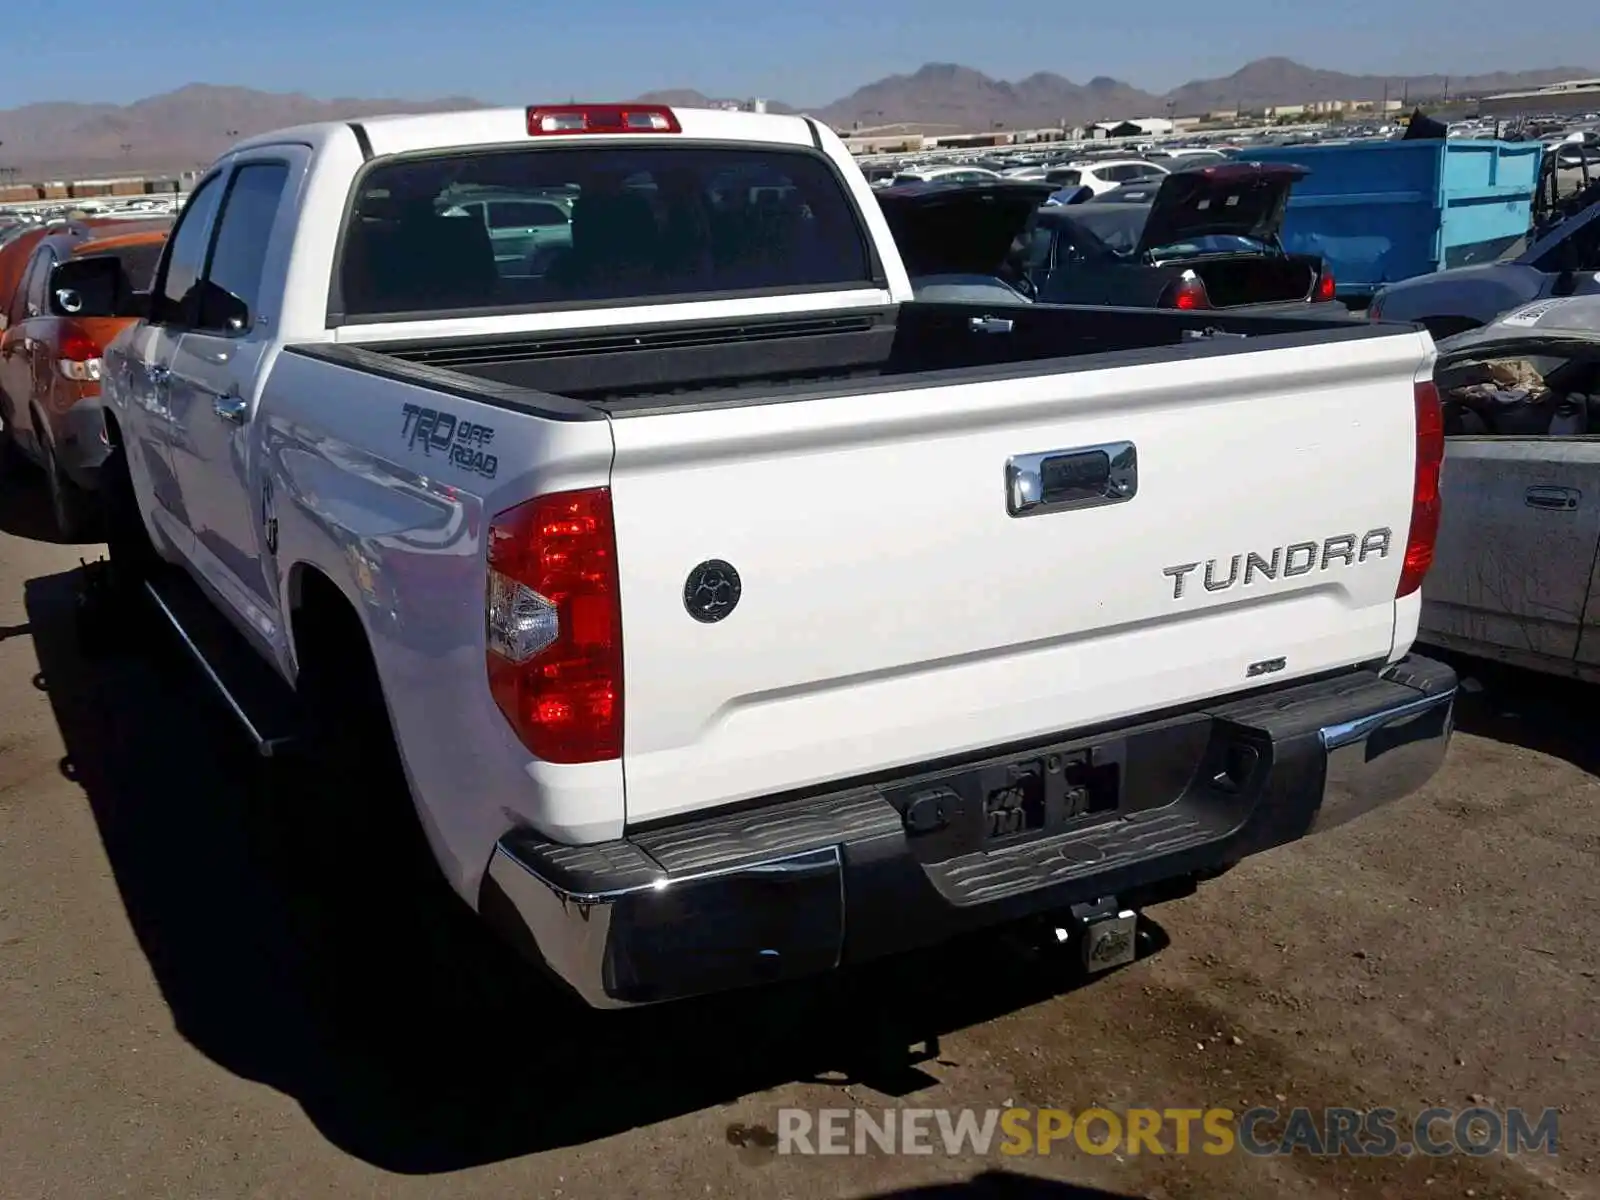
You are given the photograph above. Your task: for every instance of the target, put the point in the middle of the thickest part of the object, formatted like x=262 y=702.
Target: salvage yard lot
x=165 y=1031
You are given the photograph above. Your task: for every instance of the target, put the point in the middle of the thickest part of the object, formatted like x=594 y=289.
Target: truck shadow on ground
x=402 y=1077
x=1544 y=713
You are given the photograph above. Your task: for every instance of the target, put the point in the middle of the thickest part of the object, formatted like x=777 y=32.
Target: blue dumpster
x=1380 y=211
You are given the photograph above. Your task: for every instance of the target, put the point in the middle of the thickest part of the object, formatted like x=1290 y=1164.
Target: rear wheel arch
x=322 y=620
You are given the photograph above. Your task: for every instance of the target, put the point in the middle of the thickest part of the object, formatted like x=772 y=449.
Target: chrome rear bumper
x=731 y=900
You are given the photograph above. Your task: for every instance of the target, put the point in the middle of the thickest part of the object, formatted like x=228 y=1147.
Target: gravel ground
x=166 y=1031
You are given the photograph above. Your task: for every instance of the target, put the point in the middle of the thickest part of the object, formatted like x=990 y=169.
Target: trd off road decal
x=462 y=442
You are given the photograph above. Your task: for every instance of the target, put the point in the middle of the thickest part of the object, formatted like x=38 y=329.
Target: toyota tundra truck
x=728 y=614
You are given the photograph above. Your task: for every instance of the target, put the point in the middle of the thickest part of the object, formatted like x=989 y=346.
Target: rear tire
x=391 y=939
x=73 y=508
x=9 y=454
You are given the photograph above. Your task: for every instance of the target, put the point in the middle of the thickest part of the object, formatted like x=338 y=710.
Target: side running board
x=253 y=692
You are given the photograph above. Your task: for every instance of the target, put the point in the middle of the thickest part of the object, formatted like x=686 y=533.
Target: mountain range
x=183 y=129
x=175 y=131
x=952 y=96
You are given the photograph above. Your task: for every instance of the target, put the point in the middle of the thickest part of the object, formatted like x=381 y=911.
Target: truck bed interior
x=647 y=369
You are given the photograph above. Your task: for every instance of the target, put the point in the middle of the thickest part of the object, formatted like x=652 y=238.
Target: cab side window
x=172 y=302
x=231 y=294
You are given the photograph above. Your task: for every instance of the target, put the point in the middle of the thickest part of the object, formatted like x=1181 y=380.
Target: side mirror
x=96 y=286
x=221 y=310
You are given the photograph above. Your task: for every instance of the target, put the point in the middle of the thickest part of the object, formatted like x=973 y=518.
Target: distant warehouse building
x=1574 y=96
x=1138 y=127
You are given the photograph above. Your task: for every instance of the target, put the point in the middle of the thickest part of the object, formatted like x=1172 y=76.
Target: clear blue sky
x=802 y=51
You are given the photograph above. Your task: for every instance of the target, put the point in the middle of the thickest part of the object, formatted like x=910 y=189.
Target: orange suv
x=50 y=365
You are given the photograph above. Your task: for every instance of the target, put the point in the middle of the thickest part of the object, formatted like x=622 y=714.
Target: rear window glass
x=1064 y=175
x=620 y=224
x=139 y=261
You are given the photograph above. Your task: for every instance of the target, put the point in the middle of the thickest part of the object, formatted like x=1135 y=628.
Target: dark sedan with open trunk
x=1197 y=238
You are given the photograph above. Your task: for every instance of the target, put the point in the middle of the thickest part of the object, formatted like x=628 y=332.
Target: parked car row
x=1200 y=237
x=52 y=350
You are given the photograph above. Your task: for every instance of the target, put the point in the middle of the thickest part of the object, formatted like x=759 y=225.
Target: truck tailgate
x=892 y=610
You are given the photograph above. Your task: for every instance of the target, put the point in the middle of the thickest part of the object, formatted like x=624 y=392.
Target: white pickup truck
x=732 y=615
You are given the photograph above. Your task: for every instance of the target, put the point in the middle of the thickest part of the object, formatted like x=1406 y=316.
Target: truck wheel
x=391 y=939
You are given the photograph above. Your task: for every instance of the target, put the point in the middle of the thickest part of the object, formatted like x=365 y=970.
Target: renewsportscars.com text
x=1376 y=1132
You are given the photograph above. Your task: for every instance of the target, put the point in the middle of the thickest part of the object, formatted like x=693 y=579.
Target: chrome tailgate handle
x=1075 y=478
x=1557 y=499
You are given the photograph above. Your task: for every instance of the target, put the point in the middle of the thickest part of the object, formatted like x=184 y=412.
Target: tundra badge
x=1286 y=562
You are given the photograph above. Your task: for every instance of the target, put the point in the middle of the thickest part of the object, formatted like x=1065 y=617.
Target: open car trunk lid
x=841 y=584
x=963 y=229
x=1235 y=200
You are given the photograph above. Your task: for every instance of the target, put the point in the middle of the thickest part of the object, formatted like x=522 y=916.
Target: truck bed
x=649 y=369
x=868 y=474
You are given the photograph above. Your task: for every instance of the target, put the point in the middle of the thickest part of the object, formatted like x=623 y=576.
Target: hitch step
x=1106 y=934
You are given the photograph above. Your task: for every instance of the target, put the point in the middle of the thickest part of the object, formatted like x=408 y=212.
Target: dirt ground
x=164 y=1033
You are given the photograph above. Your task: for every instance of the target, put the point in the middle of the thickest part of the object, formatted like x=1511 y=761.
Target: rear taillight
x=1327 y=287
x=1424 y=530
x=554 y=625
x=78 y=356
x=1189 y=293
x=602 y=118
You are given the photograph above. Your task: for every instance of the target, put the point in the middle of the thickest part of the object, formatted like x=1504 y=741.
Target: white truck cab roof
x=412 y=132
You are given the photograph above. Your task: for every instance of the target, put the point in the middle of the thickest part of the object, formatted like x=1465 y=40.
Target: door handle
x=230 y=407
x=1557 y=499
x=989 y=324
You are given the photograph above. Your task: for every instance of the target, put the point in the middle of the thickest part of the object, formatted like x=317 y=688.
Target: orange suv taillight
x=554 y=625
x=1424 y=532
x=78 y=357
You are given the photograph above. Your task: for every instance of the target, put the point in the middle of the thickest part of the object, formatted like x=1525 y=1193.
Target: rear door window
x=138 y=261
x=39 y=282
x=619 y=225
x=18 y=312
